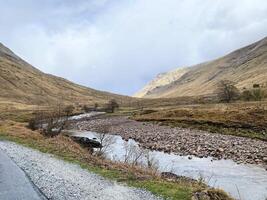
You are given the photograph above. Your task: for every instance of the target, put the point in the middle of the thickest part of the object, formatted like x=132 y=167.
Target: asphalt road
x=14 y=184
x=60 y=180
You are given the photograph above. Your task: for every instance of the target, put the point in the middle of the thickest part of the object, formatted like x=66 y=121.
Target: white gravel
x=58 y=179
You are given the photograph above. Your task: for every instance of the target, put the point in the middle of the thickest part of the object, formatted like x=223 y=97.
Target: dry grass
x=241 y=119
x=64 y=148
x=61 y=146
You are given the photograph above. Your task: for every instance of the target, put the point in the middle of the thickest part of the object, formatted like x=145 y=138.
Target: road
x=14 y=184
x=60 y=180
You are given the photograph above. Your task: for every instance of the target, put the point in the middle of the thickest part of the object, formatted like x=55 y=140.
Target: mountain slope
x=161 y=80
x=246 y=66
x=22 y=83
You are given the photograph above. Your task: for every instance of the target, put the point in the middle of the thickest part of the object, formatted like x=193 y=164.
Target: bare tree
x=96 y=106
x=112 y=105
x=133 y=154
x=56 y=121
x=106 y=140
x=227 y=91
x=247 y=95
x=51 y=122
x=151 y=161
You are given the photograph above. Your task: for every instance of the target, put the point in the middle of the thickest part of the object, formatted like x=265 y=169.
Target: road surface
x=58 y=179
x=14 y=184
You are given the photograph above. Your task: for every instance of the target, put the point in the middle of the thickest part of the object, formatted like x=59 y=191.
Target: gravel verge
x=58 y=179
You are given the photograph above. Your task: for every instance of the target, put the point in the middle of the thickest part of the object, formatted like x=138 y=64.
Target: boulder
x=86 y=142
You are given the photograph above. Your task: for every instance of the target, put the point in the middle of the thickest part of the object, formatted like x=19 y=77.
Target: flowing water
x=246 y=182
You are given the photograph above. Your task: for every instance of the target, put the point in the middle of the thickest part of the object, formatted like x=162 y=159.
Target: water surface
x=248 y=180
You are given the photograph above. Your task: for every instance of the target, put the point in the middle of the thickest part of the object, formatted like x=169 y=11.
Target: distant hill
x=22 y=83
x=246 y=66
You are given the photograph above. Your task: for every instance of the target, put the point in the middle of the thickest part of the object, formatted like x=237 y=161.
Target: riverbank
x=182 y=141
x=64 y=148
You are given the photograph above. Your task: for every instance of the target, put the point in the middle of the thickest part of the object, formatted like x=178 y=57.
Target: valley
x=179 y=114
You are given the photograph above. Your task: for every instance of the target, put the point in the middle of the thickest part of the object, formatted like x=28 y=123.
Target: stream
x=242 y=181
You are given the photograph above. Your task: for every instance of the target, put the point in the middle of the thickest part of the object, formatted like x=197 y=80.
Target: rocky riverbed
x=180 y=140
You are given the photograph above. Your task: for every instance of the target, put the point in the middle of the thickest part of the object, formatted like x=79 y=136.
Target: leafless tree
x=96 y=106
x=151 y=161
x=134 y=155
x=50 y=122
x=112 y=105
x=227 y=91
x=106 y=140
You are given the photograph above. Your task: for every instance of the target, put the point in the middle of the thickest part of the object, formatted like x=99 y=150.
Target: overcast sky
x=120 y=45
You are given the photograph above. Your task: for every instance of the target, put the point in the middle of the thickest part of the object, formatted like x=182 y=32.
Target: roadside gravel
x=58 y=179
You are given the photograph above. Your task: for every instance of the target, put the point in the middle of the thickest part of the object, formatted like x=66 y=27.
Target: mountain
x=22 y=83
x=160 y=80
x=245 y=67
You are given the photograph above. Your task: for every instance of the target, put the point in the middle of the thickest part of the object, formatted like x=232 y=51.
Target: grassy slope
x=22 y=83
x=246 y=119
x=65 y=148
x=246 y=66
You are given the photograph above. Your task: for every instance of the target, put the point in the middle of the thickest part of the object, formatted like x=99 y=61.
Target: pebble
x=182 y=141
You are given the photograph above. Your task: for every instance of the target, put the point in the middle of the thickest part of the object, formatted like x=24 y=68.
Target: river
x=242 y=181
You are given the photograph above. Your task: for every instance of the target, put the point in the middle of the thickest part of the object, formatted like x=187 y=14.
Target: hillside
x=22 y=83
x=160 y=80
x=246 y=66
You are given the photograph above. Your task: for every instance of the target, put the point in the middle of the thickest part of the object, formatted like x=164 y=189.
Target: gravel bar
x=182 y=141
x=58 y=179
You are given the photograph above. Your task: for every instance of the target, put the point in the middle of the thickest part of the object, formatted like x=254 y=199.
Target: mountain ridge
x=245 y=66
x=22 y=83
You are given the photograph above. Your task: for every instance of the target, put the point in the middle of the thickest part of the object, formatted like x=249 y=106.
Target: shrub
x=258 y=94
x=247 y=95
x=255 y=85
x=112 y=105
x=68 y=110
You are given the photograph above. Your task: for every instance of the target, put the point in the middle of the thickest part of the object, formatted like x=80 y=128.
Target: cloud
x=120 y=45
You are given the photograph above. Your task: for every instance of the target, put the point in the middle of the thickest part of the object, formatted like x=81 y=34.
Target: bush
x=112 y=105
x=247 y=95
x=51 y=123
x=255 y=85
x=86 y=109
x=258 y=94
x=33 y=124
x=68 y=110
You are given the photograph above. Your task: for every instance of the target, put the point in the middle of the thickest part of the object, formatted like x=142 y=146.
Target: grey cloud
x=120 y=45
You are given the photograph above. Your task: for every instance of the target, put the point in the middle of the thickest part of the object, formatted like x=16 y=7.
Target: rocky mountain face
x=22 y=83
x=245 y=67
x=161 y=80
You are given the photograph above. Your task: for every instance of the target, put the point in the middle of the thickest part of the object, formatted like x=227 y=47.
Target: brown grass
x=62 y=146
x=241 y=119
x=66 y=149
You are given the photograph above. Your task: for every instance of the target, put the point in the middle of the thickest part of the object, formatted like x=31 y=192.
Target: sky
x=119 y=45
